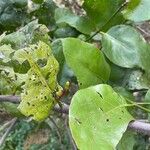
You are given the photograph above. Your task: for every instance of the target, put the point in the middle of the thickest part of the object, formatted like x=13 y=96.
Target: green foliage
x=45 y=13
x=23 y=130
x=41 y=81
x=127 y=142
x=101 y=11
x=106 y=121
x=12 y=109
x=123 y=42
x=82 y=24
x=137 y=10
x=26 y=35
x=98 y=70
x=12 y=14
x=64 y=32
x=43 y=45
x=65 y=73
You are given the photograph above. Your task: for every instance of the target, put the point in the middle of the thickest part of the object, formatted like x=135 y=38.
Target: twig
x=71 y=139
x=143 y=31
x=57 y=130
x=8 y=98
x=116 y=12
x=5 y=125
x=3 y=138
x=70 y=135
x=64 y=109
x=16 y=99
x=138 y=125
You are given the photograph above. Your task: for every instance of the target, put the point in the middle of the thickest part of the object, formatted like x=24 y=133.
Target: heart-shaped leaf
x=98 y=118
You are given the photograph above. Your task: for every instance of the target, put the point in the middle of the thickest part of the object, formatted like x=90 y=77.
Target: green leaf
x=10 y=81
x=123 y=92
x=98 y=118
x=87 y=62
x=64 y=32
x=147 y=100
x=13 y=13
x=137 y=10
x=38 y=1
x=131 y=79
x=11 y=109
x=82 y=24
x=45 y=13
x=127 y=142
x=117 y=73
x=147 y=96
x=100 y=12
x=2 y=36
x=136 y=80
x=37 y=98
x=29 y=34
x=5 y=52
x=65 y=73
x=125 y=47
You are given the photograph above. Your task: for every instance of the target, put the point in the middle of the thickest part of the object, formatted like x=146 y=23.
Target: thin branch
x=16 y=99
x=8 y=98
x=70 y=135
x=57 y=131
x=143 y=31
x=3 y=138
x=64 y=109
x=138 y=125
x=115 y=13
x=5 y=125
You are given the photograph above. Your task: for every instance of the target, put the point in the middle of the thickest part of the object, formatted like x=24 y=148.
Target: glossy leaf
x=82 y=24
x=37 y=99
x=137 y=10
x=125 y=47
x=100 y=12
x=98 y=118
x=87 y=62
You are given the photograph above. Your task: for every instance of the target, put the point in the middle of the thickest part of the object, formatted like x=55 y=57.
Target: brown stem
x=9 y=98
x=2 y=140
x=137 y=125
